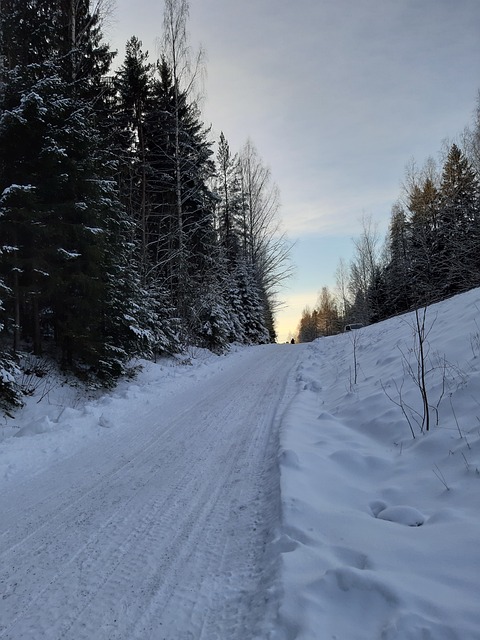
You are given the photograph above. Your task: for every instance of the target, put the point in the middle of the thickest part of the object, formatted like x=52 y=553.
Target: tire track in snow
x=192 y=524
x=217 y=573
x=45 y=555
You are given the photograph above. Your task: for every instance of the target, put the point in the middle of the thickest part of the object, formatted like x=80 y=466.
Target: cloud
x=337 y=96
x=330 y=216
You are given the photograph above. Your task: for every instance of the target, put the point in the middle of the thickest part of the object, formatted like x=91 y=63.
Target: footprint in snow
x=401 y=514
x=105 y=422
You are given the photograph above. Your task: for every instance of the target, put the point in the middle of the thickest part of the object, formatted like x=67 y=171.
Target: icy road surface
x=163 y=533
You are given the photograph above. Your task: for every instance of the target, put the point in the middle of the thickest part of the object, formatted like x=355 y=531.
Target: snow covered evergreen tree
x=133 y=85
x=114 y=243
x=229 y=210
x=240 y=248
x=456 y=242
x=423 y=207
x=397 y=273
x=181 y=234
x=10 y=395
x=252 y=304
x=57 y=187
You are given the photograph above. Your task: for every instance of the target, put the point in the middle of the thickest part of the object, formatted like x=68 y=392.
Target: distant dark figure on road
x=292 y=341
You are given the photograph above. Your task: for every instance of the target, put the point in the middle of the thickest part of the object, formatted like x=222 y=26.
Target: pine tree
x=233 y=260
x=85 y=57
x=398 y=269
x=10 y=395
x=57 y=185
x=153 y=318
x=423 y=222
x=456 y=239
x=28 y=152
x=133 y=85
x=182 y=233
x=189 y=144
x=252 y=303
x=229 y=196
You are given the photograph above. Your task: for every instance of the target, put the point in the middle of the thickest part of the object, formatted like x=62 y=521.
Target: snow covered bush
x=10 y=395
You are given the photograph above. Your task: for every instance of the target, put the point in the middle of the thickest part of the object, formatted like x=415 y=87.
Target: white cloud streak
x=337 y=95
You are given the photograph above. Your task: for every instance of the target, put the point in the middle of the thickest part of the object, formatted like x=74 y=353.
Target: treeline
x=431 y=252
x=122 y=233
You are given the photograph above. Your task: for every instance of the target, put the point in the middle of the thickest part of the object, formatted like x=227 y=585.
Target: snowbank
x=61 y=416
x=380 y=530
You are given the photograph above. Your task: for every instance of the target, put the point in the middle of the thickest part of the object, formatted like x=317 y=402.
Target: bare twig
x=455 y=416
x=400 y=403
x=437 y=471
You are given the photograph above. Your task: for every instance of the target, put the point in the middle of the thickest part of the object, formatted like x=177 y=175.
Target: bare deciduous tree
x=342 y=278
x=327 y=310
x=176 y=52
x=264 y=243
x=363 y=268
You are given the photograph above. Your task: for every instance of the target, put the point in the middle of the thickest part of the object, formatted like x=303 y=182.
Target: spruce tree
x=229 y=198
x=456 y=239
x=397 y=273
x=423 y=221
x=133 y=85
x=57 y=185
x=10 y=395
x=181 y=233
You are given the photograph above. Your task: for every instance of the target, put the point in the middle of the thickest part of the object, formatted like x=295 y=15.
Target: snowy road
x=158 y=531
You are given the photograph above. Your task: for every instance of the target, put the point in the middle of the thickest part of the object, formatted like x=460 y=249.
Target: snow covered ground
x=273 y=493
x=145 y=514
x=381 y=531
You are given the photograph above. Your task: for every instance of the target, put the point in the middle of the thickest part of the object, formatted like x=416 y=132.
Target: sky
x=338 y=97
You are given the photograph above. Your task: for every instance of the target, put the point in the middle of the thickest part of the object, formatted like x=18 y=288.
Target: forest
x=123 y=233
x=431 y=250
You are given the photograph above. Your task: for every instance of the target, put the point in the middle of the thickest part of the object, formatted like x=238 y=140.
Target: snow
x=273 y=493
x=95 y=230
x=15 y=188
x=381 y=530
x=69 y=255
